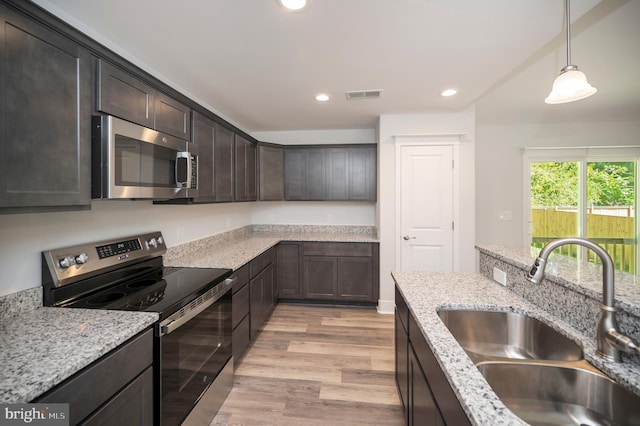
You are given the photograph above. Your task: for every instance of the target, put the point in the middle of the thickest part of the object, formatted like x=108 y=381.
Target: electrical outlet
x=500 y=276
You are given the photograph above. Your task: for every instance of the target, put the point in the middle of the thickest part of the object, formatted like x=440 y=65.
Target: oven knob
x=160 y=240
x=152 y=243
x=66 y=262
x=82 y=258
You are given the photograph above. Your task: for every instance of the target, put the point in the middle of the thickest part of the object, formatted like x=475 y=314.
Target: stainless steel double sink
x=538 y=373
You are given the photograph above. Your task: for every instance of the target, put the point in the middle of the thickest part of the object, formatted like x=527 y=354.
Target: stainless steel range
x=193 y=362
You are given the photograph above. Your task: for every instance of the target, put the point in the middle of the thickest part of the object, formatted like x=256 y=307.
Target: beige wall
x=499 y=168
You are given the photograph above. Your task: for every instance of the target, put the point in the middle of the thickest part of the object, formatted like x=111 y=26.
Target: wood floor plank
x=355 y=392
x=315 y=366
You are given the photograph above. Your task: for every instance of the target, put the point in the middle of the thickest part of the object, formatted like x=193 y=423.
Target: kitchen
x=25 y=235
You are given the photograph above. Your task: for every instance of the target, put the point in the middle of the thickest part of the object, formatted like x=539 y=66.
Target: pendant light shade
x=571 y=85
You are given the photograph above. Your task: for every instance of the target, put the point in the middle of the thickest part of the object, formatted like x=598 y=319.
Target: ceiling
x=260 y=67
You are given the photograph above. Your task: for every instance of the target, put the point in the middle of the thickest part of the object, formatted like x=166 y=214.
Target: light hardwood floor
x=317 y=366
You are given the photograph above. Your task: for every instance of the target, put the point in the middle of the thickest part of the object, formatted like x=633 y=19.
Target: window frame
x=582 y=156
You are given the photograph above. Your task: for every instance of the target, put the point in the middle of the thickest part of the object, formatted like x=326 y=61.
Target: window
x=584 y=192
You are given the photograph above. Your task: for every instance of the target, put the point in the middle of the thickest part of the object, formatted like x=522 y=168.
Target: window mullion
x=582 y=205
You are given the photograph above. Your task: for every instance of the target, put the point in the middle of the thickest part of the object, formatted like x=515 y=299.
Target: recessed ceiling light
x=294 y=5
x=322 y=97
x=449 y=92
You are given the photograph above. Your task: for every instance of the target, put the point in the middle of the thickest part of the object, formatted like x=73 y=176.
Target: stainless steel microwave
x=132 y=161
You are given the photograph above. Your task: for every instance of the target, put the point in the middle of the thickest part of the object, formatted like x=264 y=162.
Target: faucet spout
x=609 y=338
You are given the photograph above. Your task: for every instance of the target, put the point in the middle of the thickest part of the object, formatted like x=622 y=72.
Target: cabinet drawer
x=261 y=262
x=240 y=305
x=338 y=249
x=97 y=383
x=243 y=278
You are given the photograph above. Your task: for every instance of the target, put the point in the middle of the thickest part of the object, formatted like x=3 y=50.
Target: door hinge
x=453 y=164
x=453 y=227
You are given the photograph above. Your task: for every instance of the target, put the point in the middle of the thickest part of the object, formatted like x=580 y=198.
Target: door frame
x=401 y=141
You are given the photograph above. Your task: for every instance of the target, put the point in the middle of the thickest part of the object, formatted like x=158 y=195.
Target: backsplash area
x=13 y=305
x=571 y=290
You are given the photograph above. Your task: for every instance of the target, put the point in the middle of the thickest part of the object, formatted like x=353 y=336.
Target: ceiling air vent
x=364 y=94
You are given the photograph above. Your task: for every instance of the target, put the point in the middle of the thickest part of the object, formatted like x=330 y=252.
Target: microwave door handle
x=183 y=181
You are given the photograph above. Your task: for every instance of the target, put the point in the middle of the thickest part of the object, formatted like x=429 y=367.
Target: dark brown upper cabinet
x=304 y=174
x=45 y=117
x=245 y=170
x=332 y=173
x=271 y=175
x=215 y=160
x=123 y=95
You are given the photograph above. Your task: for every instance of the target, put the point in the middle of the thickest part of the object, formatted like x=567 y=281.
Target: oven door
x=137 y=162
x=195 y=345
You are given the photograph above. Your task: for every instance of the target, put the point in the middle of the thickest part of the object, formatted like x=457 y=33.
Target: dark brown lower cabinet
x=263 y=289
x=422 y=407
x=240 y=312
x=424 y=390
x=342 y=272
x=117 y=389
x=289 y=270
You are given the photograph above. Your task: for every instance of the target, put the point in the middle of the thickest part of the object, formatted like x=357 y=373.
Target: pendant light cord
x=567 y=7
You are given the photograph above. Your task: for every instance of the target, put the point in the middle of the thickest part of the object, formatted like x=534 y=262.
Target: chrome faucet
x=609 y=338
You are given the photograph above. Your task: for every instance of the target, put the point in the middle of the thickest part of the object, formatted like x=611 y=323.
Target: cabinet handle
x=407 y=238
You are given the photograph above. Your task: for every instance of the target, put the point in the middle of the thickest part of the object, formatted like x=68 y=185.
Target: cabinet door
x=223 y=164
x=362 y=174
x=402 y=363
x=172 y=117
x=271 y=181
x=338 y=174
x=203 y=139
x=304 y=174
x=355 y=279
x=321 y=277
x=314 y=182
x=289 y=277
x=45 y=116
x=423 y=410
x=245 y=169
x=123 y=95
x=256 y=306
x=294 y=174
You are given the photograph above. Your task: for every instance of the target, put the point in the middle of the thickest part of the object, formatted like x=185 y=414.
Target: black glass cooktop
x=156 y=289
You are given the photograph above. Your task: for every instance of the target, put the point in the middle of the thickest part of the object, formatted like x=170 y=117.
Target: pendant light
x=571 y=85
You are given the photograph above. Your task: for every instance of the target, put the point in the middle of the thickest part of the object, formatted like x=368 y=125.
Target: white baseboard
x=387 y=307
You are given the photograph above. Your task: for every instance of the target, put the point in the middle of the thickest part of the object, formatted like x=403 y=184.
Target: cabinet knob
x=407 y=238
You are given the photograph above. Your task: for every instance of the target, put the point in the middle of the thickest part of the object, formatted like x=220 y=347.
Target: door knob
x=407 y=238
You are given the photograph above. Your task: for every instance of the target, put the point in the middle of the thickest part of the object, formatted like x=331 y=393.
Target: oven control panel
x=70 y=264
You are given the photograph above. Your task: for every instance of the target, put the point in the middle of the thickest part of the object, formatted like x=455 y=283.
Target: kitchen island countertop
x=428 y=292
x=41 y=348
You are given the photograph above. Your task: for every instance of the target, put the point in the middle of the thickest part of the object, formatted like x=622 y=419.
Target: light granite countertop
x=42 y=347
x=428 y=292
x=234 y=251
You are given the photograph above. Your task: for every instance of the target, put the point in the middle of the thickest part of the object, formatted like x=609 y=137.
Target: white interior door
x=427 y=196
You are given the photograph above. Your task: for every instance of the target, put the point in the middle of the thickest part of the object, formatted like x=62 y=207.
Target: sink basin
x=499 y=335
x=561 y=395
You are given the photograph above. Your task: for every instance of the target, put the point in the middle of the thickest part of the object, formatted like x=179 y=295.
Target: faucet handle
x=622 y=342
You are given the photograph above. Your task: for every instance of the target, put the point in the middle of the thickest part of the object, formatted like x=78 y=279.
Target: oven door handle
x=171 y=324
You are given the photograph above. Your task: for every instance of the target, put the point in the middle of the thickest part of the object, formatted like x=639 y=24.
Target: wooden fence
x=616 y=234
